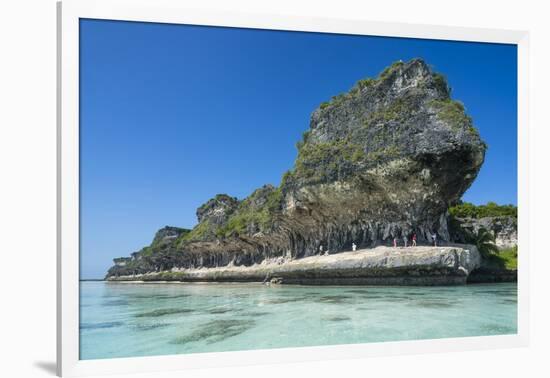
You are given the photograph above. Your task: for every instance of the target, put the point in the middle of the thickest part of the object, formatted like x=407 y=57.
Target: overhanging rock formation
x=384 y=160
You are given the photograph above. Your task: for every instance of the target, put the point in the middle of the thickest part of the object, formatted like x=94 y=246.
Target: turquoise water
x=126 y=320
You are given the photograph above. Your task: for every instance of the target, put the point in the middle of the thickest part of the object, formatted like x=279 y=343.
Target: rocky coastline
x=422 y=265
x=382 y=162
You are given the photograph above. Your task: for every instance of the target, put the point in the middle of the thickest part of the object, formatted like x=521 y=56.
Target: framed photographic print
x=251 y=187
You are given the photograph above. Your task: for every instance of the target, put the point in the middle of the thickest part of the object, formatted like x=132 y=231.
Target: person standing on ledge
x=353 y=247
x=414 y=240
x=321 y=250
x=434 y=237
x=394 y=242
x=405 y=240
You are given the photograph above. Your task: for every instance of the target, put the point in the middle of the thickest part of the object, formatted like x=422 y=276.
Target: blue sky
x=171 y=115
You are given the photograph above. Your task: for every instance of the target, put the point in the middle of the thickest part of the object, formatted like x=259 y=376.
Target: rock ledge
x=449 y=265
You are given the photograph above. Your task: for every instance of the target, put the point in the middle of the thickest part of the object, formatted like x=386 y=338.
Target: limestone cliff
x=503 y=228
x=384 y=160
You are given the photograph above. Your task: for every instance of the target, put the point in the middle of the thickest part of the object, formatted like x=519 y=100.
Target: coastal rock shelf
x=449 y=265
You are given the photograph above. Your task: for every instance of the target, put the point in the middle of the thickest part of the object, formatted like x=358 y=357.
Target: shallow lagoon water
x=128 y=320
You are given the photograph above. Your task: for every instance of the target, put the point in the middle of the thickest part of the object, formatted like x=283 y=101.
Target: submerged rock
x=383 y=161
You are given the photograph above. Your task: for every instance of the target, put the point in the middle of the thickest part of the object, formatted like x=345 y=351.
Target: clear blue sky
x=171 y=115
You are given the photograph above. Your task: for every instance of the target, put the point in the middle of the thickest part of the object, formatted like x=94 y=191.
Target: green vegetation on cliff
x=322 y=161
x=347 y=135
x=494 y=259
x=453 y=113
x=361 y=85
x=441 y=81
x=506 y=259
x=390 y=69
x=217 y=199
x=198 y=233
x=485 y=243
x=256 y=213
x=491 y=209
x=399 y=110
x=167 y=235
x=509 y=257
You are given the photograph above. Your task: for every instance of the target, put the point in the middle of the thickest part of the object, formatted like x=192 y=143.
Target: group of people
x=413 y=239
x=326 y=252
x=395 y=243
x=405 y=241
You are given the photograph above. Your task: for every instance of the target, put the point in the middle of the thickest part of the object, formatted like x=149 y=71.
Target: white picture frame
x=172 y=11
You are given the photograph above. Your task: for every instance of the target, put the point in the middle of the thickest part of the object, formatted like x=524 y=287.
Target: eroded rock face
x=383 y=161
x=121 y=261
x=505 y=230
x=218 y=209
x=168 y=234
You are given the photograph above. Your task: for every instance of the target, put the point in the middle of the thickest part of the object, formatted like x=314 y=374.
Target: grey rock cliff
x=384 y=160
x=504 y=229
x=218 y=209
x=168 y=234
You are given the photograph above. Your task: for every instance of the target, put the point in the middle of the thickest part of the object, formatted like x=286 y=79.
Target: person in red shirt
x=414 y=240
